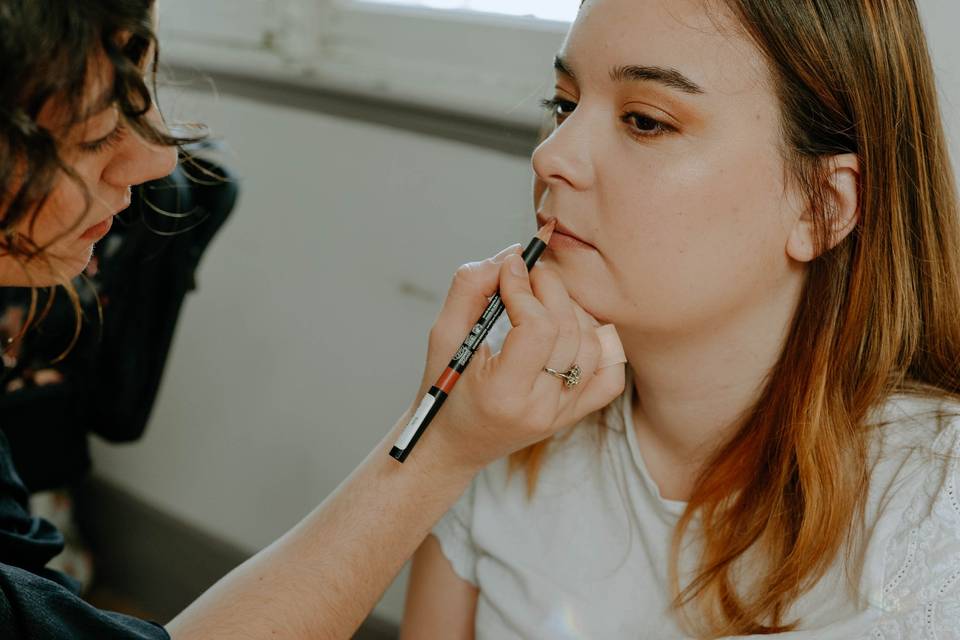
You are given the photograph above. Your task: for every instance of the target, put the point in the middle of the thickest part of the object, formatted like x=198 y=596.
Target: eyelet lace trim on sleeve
x=920 y=598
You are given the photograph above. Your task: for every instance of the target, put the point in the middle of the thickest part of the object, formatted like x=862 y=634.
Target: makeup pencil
x=434 y=398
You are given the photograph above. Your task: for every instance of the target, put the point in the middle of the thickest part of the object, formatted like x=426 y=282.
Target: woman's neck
x=693 y=388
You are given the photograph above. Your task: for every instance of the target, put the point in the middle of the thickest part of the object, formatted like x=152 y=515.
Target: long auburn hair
x=878 y=314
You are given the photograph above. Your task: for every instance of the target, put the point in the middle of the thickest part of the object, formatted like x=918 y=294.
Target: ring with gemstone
x=571 y=377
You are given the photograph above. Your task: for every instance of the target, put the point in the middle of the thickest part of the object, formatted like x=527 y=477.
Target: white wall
x=301 y=349
x=941 y=20
x=269 y=399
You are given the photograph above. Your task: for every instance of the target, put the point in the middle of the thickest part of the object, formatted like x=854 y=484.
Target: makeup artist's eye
x=557 y=106
x=104 y=143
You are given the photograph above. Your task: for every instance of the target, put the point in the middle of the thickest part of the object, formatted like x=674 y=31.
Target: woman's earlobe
x=800 y=245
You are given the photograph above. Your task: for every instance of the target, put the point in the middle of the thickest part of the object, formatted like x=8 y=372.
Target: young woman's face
x=666 y=164
x=109 y=158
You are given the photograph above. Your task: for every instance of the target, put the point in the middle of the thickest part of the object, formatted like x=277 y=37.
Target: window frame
x=489 y=66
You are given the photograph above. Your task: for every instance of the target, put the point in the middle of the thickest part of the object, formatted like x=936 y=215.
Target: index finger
x=529 y=345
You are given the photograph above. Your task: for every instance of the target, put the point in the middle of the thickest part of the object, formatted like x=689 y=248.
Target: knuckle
x=507 y=409
x=547 y=328
x=464 y=274
x=568 y=326
x=553 y=330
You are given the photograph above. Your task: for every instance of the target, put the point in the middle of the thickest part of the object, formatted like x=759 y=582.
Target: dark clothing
x=144 y=270
x=37 y=603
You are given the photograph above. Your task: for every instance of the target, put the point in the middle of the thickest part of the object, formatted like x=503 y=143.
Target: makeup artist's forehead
x=97 y=99
x=699 y=38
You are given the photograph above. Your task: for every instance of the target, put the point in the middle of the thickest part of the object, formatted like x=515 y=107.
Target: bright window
x=543 y=9
x=486 y=58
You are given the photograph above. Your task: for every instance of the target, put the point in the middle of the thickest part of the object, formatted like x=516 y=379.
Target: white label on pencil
x=404 y=441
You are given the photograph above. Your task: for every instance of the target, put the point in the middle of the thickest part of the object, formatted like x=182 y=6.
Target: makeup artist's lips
x=563 y=237
x=101 y=229
x=97 y=231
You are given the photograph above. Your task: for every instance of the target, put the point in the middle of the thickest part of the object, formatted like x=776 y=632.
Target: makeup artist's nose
x=136 y=161
x=139 y=161
x=564 y=159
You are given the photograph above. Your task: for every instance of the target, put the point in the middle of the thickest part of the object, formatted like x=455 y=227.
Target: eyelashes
x=639 y=124
x=553 y=106
x=104 y=143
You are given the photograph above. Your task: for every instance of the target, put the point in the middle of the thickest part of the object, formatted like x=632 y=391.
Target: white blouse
x=587 y=557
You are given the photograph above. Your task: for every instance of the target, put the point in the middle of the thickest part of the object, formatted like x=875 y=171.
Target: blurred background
x=377 y=146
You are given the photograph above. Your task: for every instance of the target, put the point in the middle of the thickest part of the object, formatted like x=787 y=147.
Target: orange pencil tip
x=546 y=231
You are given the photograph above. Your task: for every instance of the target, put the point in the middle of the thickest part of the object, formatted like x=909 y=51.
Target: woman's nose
x=564 y=159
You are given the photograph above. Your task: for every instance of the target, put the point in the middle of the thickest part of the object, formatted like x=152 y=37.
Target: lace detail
x=920 y=597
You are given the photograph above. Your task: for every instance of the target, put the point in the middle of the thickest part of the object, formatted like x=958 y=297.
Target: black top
x=37 y=603
x=139 y=277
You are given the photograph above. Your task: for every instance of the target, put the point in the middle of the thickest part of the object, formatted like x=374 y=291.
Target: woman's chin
x=588 y=303
x=582 y=290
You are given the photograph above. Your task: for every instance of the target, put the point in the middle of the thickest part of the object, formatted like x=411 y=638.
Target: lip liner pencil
x=434 y=398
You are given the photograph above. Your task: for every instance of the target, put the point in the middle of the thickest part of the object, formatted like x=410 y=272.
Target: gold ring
x=571 y=377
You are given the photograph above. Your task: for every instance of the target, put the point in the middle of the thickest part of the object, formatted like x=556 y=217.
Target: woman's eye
x=639 y=125
x=646 y=126
x=558 y=107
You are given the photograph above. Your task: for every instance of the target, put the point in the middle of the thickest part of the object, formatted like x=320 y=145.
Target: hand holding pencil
x=504 y=402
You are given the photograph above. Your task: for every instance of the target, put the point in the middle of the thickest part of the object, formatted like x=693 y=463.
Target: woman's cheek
x=674 y=264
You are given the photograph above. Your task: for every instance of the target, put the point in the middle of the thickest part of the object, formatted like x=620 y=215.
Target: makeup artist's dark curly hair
x=47 y=47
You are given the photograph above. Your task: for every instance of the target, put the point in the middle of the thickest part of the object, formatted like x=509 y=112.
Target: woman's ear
x=843 y=203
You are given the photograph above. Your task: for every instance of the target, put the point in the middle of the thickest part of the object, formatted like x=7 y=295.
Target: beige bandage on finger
x=611 y=349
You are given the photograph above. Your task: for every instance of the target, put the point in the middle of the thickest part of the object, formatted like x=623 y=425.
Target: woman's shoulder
x=916 y=456
x=915 y=418
x=916 y=438
x=915 y=498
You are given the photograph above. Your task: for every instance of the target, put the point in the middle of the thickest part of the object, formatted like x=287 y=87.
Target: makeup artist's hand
x=505 y=402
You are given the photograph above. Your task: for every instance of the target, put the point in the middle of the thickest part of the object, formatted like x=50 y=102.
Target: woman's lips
x=561 y=240
x=563 y=237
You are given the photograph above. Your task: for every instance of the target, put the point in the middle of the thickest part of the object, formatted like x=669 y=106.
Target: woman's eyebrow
x=665 y=76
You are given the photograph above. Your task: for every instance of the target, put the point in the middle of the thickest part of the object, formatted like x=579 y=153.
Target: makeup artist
x=78 y=129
